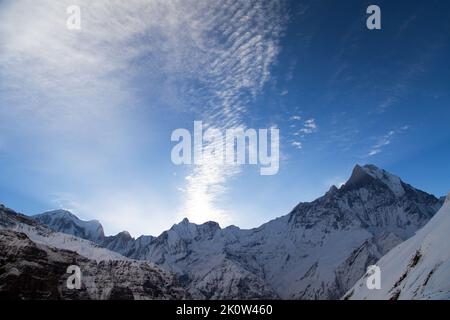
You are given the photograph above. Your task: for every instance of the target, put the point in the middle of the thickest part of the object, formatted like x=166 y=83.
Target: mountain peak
x=372 y=167
x=59 y=213
x=186 y=229
x=183 y=227
x=392 y=181
x=63 y=213
x=125 y=235
x=185 y=221
x=332 y=189
x=358 y=178
x=362 y=175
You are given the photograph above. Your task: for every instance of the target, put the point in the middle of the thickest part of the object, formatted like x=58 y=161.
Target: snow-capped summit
x=66 y=222
x=333 y=189
x=185 y=228
x=188 y=230
x=362 y=175
x=60 y=213
x=393 y=182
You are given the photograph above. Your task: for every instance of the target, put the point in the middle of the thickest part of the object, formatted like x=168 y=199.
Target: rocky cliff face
x=38 y=269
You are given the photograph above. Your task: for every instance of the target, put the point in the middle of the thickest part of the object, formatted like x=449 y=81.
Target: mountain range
x=320 y=250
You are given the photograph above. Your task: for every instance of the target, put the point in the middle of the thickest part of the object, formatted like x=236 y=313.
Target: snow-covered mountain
x=418 y=268
x=318 y=251
x=66 y=222
x=34 y=261
x=39 y=233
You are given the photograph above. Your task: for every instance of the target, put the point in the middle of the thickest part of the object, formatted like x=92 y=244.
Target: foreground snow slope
x=418 y=268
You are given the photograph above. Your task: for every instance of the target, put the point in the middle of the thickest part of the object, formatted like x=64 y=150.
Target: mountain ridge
x=355 y=179
x=317 y=251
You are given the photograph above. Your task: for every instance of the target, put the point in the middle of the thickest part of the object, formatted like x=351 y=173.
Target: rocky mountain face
x=38 y=269
x=418 y=268
x=318 y=251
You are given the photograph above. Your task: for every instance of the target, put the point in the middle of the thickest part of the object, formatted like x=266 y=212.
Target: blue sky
x=86 y=116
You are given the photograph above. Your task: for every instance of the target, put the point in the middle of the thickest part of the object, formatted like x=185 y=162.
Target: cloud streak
x=238 y=68
x=385 y=140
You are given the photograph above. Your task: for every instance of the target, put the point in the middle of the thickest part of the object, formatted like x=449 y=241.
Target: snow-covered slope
x=418 y=268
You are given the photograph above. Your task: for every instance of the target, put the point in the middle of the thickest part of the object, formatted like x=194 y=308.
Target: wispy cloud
x=385 y=140
x=239 y=66
x=406 y=24
x=308 y=127
x=297 y=144
x=403 y=80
